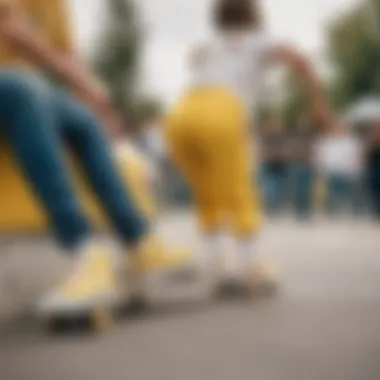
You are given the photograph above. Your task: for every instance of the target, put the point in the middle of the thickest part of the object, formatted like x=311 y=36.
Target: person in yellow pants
x=208 y=132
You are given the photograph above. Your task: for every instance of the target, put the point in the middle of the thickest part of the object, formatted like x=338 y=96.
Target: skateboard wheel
x=229 y=289
x=94 y=321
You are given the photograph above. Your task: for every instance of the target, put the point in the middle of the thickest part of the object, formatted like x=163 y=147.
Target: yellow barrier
x=21 y=213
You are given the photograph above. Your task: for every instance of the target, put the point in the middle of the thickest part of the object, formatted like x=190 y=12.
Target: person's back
x=340 y=154
x=234 y=60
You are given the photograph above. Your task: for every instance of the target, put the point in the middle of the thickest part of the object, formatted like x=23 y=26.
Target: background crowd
x=304 y=171
x=301 y=171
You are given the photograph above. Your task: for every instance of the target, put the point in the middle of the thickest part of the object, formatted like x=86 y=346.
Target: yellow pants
x=208 y=138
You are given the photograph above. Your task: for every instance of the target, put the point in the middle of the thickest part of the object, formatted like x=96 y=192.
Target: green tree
x=354 y=53
x=117 y=58
x=147 y=108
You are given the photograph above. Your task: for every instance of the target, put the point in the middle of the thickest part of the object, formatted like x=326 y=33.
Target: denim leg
x=270 y=190
x=83 y=132
x=332 y=195
x=29 y=125
x=281 y=189
x=346 y=193
x=359 y=197
x=303 y=190
x=373 y=184
x=339 y=193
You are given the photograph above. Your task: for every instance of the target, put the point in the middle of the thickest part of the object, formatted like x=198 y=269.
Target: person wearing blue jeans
x=301 y=171
x=274 y=183
x=346 y=194
x=274 y=166
x=339 y=190
x=302 y=180
x=39 y=122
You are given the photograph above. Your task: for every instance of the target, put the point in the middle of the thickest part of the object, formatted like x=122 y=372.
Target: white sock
x=213 y=249
x=247 y=251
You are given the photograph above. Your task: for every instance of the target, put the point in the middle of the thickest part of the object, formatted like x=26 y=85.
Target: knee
x=22 y=89
x=85 y=125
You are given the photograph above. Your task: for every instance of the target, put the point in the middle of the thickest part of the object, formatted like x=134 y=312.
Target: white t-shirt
x=339 y=155
x=238 y=63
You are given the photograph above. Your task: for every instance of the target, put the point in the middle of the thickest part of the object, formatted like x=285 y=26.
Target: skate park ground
x=324 y=325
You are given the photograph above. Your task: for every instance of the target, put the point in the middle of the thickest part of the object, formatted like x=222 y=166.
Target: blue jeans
x=38 y=121
x=274 y=181
x=345 y=194
x=373 y=184
x=302 y=180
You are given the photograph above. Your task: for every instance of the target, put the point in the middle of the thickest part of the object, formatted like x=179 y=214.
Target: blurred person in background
x=372 y=167
x=339 y=159
x=38 y=120
x=151 y=137
x=208 y=132
x=152 y=142
x=169 y=185
x=274 y=166
x=301 y=172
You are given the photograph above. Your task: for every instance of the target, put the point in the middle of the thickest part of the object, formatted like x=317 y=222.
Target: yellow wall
x=20 y=212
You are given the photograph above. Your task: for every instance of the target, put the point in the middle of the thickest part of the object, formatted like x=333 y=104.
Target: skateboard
x=180 y=286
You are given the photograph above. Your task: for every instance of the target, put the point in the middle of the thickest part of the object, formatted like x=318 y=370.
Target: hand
x=96 y=97
x=322 y=114
x=114 y=126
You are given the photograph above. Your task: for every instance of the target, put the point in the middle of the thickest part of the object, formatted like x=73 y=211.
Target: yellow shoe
x=91 y=284
x=263 y=277
x=159 y=272
x=154 y=256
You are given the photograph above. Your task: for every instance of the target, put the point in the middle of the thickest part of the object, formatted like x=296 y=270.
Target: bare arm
x=21 y=38
x=303 y=67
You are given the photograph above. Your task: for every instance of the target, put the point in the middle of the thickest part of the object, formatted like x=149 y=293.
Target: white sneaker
x=91 y=284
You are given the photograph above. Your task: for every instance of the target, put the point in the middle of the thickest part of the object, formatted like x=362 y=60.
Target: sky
x=174 y=26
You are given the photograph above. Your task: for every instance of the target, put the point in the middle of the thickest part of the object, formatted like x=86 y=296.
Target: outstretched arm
x=303 y=68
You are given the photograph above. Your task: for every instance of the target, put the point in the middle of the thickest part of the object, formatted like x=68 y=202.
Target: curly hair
x=228 y=14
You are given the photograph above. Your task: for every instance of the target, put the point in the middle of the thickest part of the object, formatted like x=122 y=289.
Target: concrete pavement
x=325 y=325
